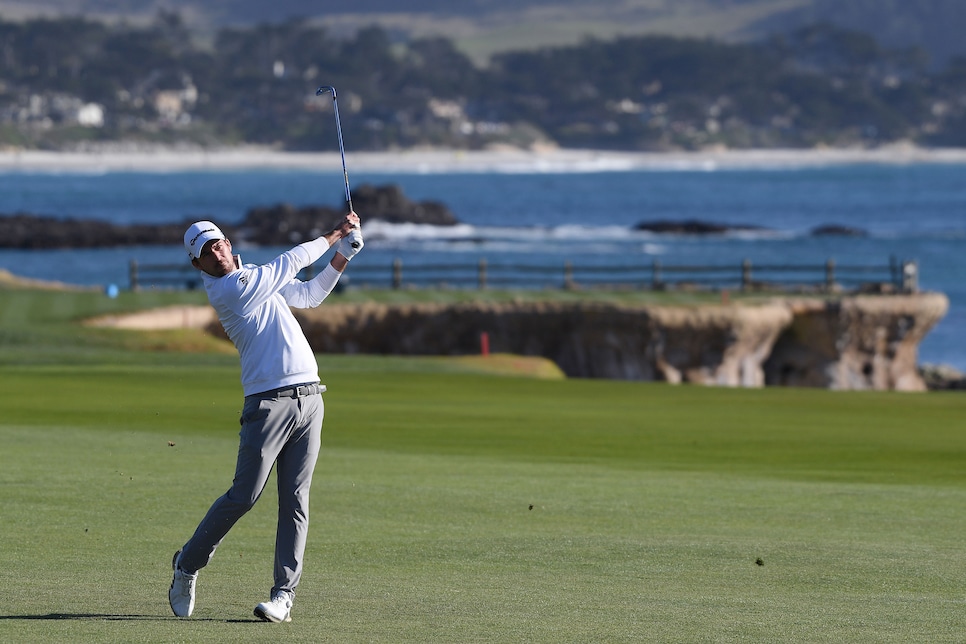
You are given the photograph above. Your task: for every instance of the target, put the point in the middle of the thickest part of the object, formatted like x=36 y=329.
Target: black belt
x=298 y=391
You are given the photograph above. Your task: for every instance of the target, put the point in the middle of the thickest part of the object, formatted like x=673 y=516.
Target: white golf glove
x=350 y=244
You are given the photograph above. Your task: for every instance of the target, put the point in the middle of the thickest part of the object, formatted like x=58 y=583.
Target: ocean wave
x=380 y=232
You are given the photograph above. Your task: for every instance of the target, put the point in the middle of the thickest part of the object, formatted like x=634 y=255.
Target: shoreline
x=421 y=161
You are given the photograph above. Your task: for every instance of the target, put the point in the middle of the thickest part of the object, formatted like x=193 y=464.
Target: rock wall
x=861 y=342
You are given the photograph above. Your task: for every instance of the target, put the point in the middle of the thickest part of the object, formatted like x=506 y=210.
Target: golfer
x=281 y=421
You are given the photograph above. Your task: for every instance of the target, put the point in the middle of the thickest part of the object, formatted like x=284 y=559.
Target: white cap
x=199 y=234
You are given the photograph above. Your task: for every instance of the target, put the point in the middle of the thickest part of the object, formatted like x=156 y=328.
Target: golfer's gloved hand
x=351 y=244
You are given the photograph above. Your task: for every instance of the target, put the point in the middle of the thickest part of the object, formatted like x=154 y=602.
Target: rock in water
x=277 y=225
x=693 y=227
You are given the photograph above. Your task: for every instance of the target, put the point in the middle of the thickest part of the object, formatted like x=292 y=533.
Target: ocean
x=914 y=211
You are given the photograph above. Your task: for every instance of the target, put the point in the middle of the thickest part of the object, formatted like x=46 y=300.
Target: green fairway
x=453 y=505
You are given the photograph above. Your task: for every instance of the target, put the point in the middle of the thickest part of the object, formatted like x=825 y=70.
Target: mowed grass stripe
x=783 y=433
x=411 y=547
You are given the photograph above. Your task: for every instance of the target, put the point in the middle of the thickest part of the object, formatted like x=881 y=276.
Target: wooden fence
x=894 y=276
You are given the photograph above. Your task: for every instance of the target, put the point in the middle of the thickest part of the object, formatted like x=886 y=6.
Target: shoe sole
x=265 y=617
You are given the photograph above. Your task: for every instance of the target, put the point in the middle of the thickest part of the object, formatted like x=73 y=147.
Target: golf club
x=338 y=126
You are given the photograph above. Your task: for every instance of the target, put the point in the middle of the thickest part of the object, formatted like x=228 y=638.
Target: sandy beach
x=431 y=161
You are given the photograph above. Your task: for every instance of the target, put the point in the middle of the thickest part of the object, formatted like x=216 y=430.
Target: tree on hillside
x=819 y=84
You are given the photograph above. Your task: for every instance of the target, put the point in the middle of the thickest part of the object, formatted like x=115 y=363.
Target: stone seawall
x=860 y=342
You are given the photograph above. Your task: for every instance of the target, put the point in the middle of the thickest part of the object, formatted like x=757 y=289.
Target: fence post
x=568 y=276
x=829 y=275
x=656 y=279
x=745 y=274
x=396 y=274
x=910 y=277
x=133 y=274
x=481 y=277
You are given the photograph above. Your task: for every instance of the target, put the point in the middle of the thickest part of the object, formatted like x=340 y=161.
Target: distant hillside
x=483 y=27
x=77 y=82
x=936 y=26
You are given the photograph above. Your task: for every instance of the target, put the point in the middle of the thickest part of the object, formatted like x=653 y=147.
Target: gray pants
x=276 y=429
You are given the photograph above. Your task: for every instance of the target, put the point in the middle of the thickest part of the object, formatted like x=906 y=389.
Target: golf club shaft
x=338 y=127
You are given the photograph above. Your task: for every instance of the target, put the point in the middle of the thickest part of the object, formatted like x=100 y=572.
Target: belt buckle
x=301 y=390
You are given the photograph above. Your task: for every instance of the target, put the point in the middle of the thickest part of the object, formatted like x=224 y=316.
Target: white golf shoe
x=279 y=609
x=181 y=595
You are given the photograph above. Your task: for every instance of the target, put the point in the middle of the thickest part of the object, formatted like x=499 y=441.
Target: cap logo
x=195 y=238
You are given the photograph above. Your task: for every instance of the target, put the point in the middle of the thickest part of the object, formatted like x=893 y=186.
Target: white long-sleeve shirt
x=253 y=303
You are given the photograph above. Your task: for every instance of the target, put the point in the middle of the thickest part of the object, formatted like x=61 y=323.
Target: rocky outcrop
x=714 y=345
x=283 y=224
x=721 y=345
x=276 y=225
x=33 y=232
x=862 y=342
x=942 y=377
x=838 y=230
x=699 y=227
x=693 y=227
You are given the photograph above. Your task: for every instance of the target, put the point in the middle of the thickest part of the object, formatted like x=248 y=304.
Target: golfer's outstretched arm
x=312 y=293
